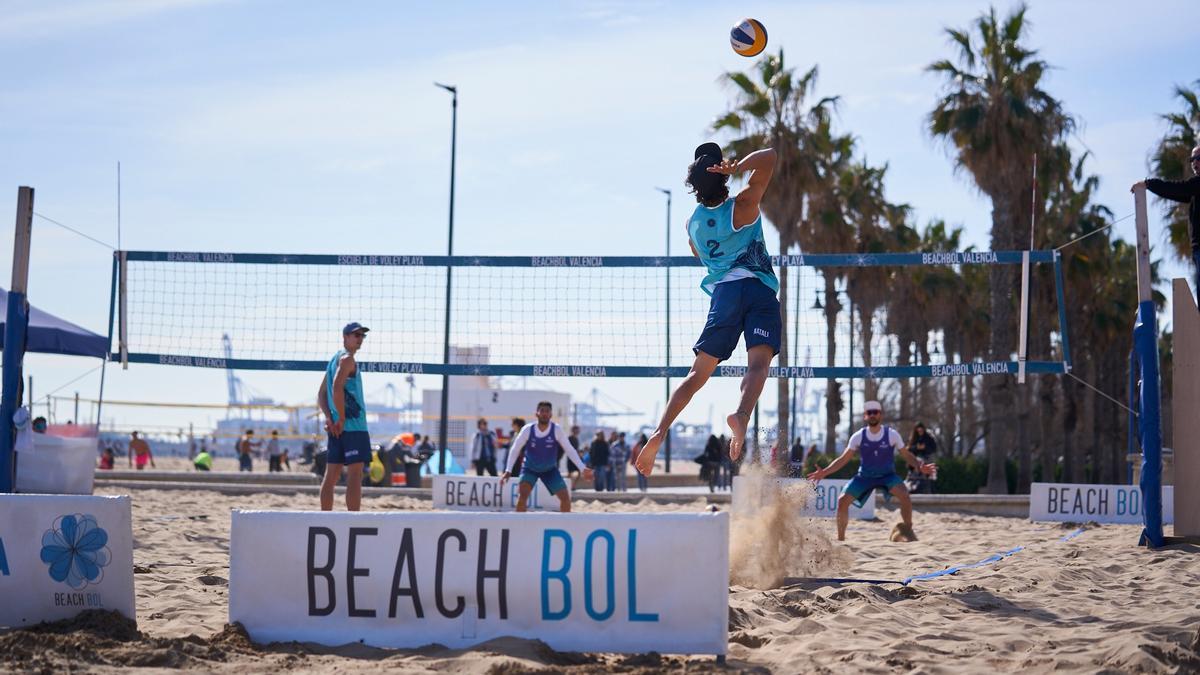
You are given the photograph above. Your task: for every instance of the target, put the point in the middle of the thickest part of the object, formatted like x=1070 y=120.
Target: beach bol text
x=576 y=581
x=1073 y=502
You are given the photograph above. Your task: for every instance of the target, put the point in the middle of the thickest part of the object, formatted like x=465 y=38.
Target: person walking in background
x=139 y=452
x=597 y=459
x=274 y=453
x=518 y=423
x=1186 y=192
x=245 y=448
x=572 y=468
x=923 y=447
x=483 y=449
x=618 y=461
x=642 y=482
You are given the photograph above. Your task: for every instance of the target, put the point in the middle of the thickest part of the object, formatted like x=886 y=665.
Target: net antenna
x=1023 y=333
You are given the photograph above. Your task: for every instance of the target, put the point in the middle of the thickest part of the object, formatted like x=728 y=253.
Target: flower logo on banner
x=76 y=549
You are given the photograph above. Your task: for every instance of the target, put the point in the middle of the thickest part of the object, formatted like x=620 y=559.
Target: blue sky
x=241 y=125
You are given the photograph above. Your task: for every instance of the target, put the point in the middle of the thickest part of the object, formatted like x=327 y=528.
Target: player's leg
x=333 y=473
x=564 y=500
x=900 y=492
x=762 y=327
x=843 y=515
x=354 y=478
x=758 y=365
x=523 y=492
x=702 y=368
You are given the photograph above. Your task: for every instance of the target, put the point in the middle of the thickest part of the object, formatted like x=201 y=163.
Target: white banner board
x=822 y=501
x=61 y=555
x=57 y=466
x=483 y=493
x=1077 y=502
x=606 y=582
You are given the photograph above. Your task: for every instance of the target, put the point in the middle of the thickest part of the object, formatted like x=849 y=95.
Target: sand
x=1095 y=602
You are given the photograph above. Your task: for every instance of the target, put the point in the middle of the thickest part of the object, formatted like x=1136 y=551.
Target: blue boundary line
x=374 y=260
x=970 y=368
x=930 y=575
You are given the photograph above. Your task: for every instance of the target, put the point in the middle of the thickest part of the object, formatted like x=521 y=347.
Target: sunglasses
x=873 y=412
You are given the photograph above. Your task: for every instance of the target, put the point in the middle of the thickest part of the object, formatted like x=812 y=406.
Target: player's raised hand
x=726 y=167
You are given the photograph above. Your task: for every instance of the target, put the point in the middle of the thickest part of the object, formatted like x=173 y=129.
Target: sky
x=287 y=127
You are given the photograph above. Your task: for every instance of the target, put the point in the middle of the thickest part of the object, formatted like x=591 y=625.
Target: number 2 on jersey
x=714 y=248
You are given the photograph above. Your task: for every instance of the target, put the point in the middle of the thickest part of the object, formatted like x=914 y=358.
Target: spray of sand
x=770 y=538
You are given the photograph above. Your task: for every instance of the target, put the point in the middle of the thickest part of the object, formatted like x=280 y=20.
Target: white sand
x=1095 y=602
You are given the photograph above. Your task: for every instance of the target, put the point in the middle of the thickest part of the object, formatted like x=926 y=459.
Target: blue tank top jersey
x=541 y=454
x=878 y=457
x=356 y=411
x=722 y=248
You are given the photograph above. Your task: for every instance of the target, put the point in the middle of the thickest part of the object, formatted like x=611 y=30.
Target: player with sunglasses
x=1187 y=192
x=878 y=445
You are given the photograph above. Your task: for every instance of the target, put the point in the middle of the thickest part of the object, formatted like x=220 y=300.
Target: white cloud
x=32 y=20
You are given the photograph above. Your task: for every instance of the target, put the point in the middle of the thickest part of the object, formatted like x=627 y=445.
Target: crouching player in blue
x=877 y=444
x=540 y=442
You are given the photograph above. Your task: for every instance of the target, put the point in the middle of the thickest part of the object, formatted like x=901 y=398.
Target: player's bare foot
x=737 y=433
x=645 y=459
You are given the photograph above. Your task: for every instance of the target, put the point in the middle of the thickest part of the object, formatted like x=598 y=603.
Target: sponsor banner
x=61 y=555
x=822 y=501
x=579 y=582
x=483 y=493
x=1074 y=502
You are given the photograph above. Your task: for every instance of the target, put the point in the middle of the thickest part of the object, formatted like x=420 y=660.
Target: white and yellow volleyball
x=748 y=38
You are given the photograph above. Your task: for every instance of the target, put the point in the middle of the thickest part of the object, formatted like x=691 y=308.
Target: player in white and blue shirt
x=726 y=234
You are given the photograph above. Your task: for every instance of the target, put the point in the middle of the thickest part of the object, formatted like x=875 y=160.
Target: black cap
x=353 y=326
x=699 y=177
x=708 y=150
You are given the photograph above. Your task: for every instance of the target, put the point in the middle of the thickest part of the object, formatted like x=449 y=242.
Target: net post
x=14 y=335
x=1145 y=343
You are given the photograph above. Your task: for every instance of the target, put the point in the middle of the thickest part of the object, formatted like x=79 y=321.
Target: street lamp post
x=442 y=439
x=667 y=324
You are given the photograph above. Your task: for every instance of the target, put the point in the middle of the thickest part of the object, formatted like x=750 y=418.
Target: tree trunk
x=947 y=429
x=833 y=392
x=1024 y=449
x=905 y=383
x=1087 y=425
x=867 y=332
x=783 y=383
x=1000 y=388
x=1050 y=448
x=1072 y=466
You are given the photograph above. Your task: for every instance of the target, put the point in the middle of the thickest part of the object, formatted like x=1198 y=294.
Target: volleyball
x=749 y=37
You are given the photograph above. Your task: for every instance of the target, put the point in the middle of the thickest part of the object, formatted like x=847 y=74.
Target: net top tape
x=372 y=260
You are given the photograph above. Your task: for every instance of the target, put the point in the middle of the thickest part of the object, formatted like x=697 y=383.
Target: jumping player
x=726 y=234
x=878 y=445
x=541 y=441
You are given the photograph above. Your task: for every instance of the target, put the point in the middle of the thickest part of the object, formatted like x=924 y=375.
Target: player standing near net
x=1187 y=192
x=541 y=441
x=340 y=398
x=726 y=234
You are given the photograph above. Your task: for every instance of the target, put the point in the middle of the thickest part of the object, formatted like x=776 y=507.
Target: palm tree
x=771 y=109
x=1170 y=160
x=993 y=117
x=826 y=230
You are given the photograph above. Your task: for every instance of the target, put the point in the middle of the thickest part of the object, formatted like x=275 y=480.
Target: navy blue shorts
x=350 y=448
x=551 y=477
x=743 y=307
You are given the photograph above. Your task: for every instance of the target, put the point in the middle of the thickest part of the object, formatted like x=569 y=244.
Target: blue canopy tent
x=48 y=334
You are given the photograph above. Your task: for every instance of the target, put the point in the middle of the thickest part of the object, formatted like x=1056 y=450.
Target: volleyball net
x=881 y=315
